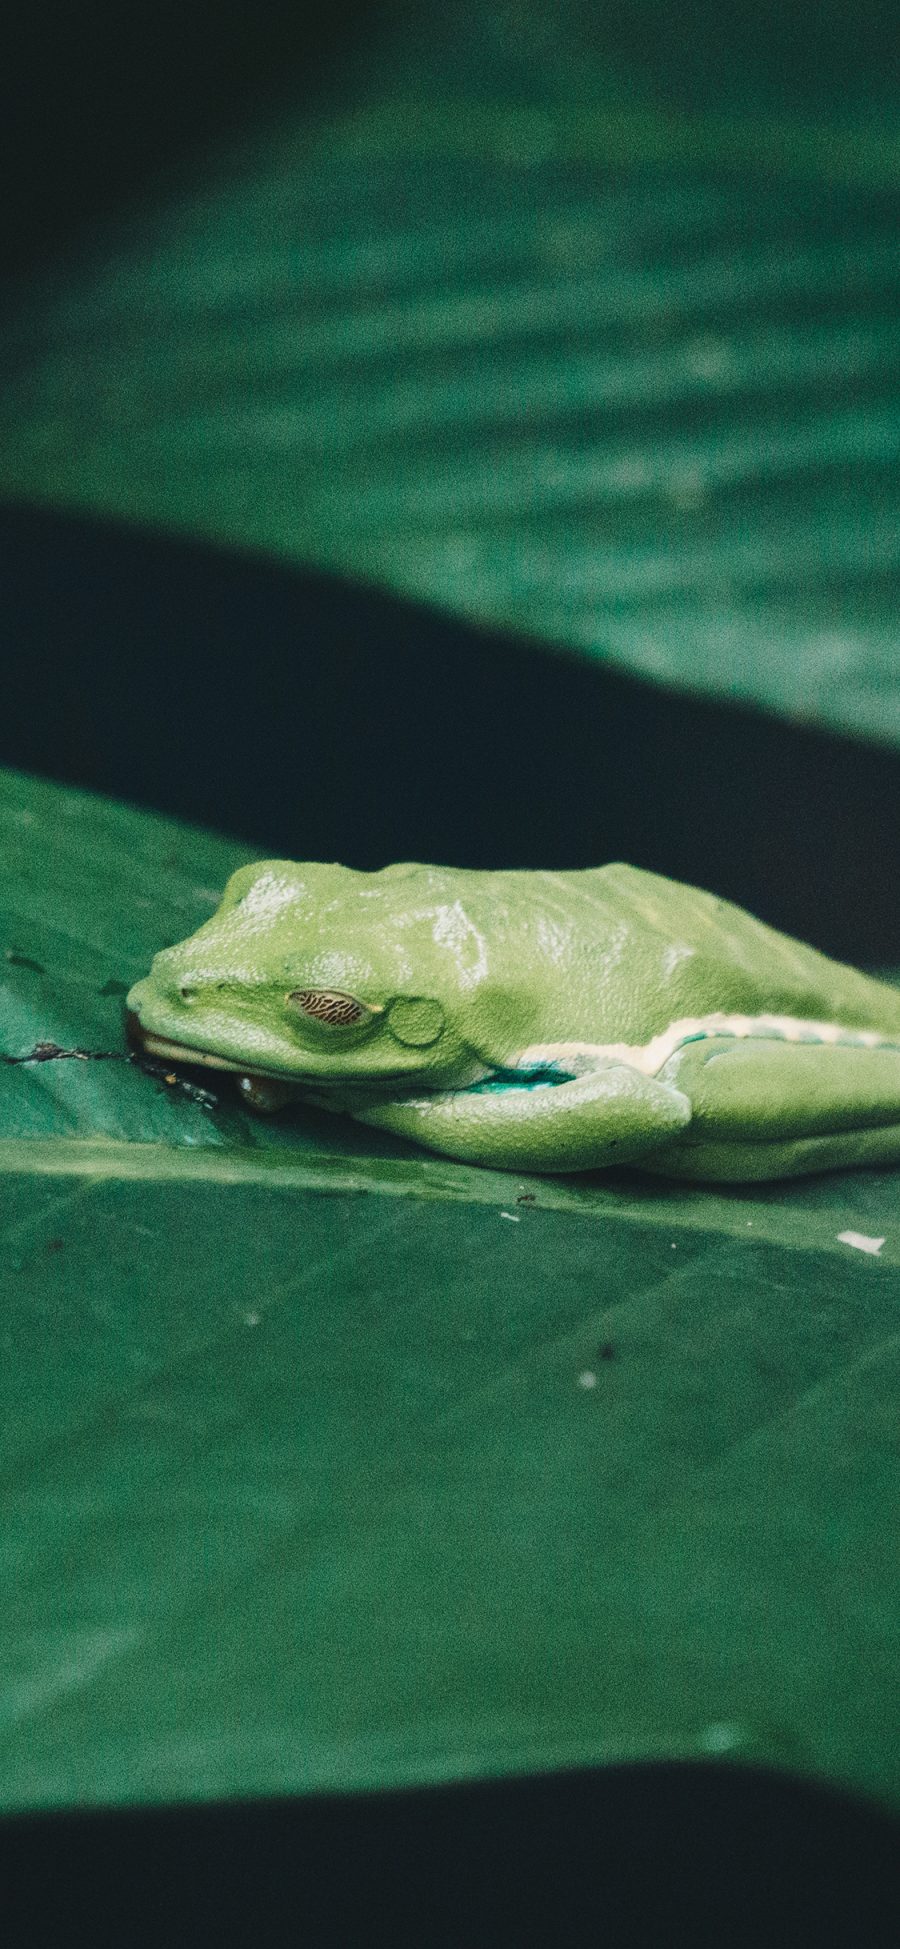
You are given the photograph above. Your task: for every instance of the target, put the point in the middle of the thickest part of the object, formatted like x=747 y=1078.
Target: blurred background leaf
x=575 y=325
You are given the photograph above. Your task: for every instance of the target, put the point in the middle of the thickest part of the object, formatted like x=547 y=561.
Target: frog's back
x=689 y=953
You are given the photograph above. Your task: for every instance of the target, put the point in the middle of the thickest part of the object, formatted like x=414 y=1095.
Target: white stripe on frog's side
x=649 y=1057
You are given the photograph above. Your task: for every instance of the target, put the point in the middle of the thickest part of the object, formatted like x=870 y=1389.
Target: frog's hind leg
x=766 y=1108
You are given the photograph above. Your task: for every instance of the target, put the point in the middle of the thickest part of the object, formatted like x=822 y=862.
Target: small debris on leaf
x=149 y=1066
x=861 y=1242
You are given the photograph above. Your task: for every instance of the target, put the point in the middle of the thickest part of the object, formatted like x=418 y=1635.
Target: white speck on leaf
x=513 y=1216
x=861 y=1242
x=720 y=1737
x=587 y=1379
x=251 y=1319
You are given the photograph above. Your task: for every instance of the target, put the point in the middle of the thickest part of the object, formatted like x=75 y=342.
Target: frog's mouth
x=145 y=1043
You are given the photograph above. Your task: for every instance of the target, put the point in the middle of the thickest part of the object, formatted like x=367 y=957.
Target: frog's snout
x=139 y=1001
x=167 y=982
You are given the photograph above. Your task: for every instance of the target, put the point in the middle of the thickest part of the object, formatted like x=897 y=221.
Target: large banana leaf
x=581 y=329
x=326 y=1463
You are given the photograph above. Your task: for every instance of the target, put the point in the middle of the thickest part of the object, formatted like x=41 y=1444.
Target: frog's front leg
x=609 y=1115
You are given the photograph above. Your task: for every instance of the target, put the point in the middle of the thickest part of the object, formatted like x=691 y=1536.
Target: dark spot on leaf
x=54 y=1245
x=170 y=1079
x=17 y=960
x=51 y=1052
x=527 y=1198
x=606 y=1351
x=114 y=988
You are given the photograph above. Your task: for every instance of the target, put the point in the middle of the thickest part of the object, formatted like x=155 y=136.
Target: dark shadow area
x=636 y=1855
x=97 y=100
x=318 y=720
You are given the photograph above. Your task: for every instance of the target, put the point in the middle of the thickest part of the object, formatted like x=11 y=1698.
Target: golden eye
x=330 y=1007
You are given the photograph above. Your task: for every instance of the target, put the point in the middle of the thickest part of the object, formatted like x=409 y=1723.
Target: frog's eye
x=330 y=1007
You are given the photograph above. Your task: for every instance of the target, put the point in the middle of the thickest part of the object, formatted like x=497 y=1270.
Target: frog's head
x=326 y=977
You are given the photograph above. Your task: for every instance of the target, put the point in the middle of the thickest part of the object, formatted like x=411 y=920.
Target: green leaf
x=513 y=328
x=330 y=1464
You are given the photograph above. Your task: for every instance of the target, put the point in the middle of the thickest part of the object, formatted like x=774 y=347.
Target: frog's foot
x=265 y=1094
x=610 y=1115
x=771 y=1109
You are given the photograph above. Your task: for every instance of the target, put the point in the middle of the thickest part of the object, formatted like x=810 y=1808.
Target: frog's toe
x=264 y=1094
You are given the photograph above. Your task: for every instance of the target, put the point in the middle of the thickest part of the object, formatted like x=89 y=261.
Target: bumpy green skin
x=513 y=1019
